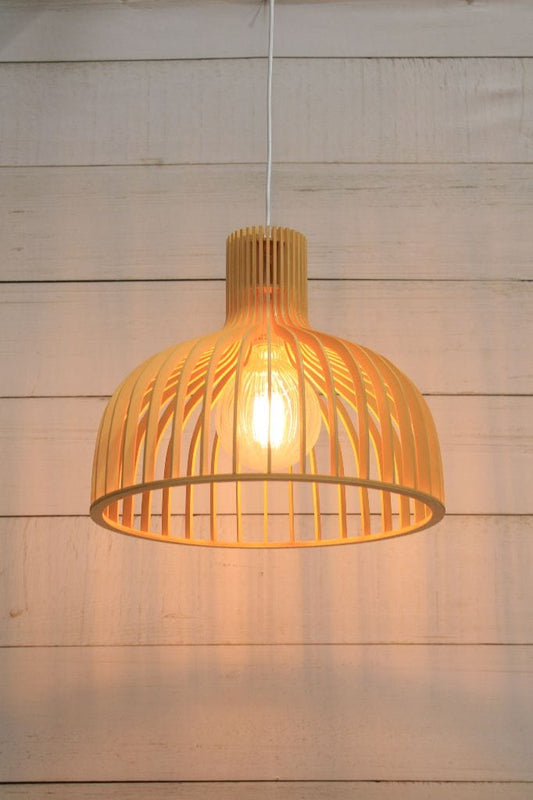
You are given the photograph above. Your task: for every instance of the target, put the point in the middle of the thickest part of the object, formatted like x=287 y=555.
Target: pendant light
x=267 y=433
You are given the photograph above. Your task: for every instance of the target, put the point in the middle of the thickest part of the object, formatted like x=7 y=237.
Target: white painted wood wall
x=132 y=136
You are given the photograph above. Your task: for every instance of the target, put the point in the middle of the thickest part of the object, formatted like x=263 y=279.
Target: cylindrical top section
x=266 y=275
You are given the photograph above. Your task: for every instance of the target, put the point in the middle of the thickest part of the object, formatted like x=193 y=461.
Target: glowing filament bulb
x=268 y=412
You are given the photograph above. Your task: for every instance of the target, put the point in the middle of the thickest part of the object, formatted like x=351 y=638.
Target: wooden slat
x=366 y=221
x=48 y=445
x=83 y=339
x=376 y=110
x=114 y=29
x=70 y=583
x=276 y=790
x=265 y=713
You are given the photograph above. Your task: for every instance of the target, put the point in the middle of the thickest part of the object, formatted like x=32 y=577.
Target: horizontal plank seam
x=159 y=165
x=183 y=645
x=271 y=782
x=261 y=58
x=393 y=279
x=162 y=165
x=498 y=515
x=107 y=396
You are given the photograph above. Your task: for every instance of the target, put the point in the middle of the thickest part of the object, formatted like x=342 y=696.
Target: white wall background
x=132 y=140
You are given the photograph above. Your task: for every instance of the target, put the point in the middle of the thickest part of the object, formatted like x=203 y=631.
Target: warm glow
x=265 y=412
x=219 y=441
x=278 y=419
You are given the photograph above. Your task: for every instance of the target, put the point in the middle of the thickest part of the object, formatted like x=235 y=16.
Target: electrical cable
x=268 y=203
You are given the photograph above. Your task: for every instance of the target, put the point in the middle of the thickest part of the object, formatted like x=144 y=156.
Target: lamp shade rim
x=435 y=508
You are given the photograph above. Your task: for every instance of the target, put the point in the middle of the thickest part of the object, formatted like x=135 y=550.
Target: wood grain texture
x=114 y=29
x=341 y=110
x=83 y=339
x=157 y=703
x=276 y=790
x=48 y=445
x=267 y=713
x=365 y=221
x=67 y=582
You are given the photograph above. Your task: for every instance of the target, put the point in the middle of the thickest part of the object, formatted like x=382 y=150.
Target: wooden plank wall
x=131 y=144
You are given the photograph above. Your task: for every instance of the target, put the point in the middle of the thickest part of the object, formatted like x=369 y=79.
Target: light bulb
x=264 y=415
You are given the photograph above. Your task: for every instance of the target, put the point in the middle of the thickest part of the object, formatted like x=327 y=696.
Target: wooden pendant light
x=267 y=433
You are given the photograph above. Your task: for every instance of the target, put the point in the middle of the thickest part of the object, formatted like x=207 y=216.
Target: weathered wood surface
x=443 y=708
x=67 y=582
x=48 y=444
x=213 y=111
x=84 y=338
x=275 y=790
x=367 y=221
x=114 y=29
x=264 y=713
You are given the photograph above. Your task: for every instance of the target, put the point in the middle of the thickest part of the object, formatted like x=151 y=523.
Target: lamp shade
x=267 y=433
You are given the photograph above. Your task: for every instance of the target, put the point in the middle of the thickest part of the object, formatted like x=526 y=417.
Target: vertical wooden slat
x=316 y=498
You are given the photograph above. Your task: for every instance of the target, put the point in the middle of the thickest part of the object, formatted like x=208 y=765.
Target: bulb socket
x=266 y=274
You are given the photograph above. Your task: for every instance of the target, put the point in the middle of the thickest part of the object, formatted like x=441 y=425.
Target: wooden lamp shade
x=171 y=466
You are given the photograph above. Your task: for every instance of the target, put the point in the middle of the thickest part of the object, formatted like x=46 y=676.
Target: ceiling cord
x=269 y=111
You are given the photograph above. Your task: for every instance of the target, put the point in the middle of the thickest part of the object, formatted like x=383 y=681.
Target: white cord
x=269 y=110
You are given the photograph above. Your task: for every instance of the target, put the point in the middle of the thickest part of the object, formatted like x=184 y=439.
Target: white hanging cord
x=269 y=110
